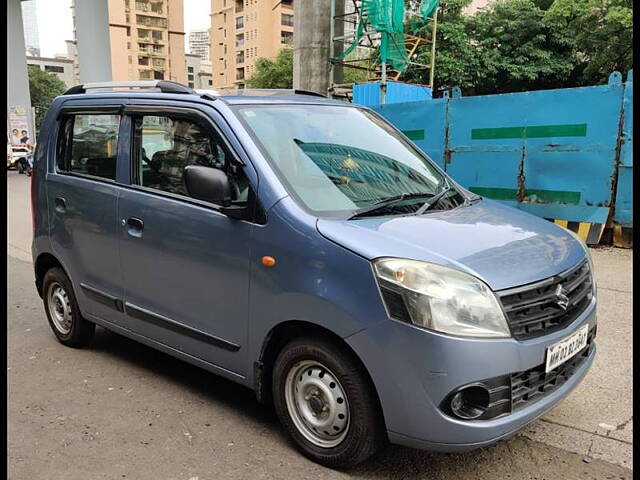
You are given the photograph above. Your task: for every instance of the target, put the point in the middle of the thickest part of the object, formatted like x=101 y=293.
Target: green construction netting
x=386 y=17
x=428 y=7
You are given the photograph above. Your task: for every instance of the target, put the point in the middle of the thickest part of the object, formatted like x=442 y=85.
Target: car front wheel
x=326 y=402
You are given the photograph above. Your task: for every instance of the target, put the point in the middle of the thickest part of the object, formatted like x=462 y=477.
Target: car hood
x=502 y=245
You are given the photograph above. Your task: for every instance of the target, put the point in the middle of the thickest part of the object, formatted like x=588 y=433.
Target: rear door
x=185 y=264
x=82 y=197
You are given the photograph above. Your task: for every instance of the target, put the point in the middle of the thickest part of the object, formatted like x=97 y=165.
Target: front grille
x=534 y=384
x=533 y=310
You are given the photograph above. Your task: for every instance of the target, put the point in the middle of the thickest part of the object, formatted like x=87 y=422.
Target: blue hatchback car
x=303 y=247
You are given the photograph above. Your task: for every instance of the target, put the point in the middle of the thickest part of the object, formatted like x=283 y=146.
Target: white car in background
x=17 y=157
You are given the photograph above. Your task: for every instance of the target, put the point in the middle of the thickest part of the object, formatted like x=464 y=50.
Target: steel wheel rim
x=317 y=403
x=60 y=308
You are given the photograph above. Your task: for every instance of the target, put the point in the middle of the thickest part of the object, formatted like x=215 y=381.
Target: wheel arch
x=282 y=334
x=45 y=262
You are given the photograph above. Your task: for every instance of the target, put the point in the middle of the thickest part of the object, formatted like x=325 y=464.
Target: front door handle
x=134 y=227
x=61 y=205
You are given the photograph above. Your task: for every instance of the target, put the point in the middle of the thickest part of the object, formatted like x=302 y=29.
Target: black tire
x=80 y=332
x=366 y=431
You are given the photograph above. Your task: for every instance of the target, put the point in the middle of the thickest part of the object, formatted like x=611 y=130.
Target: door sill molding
x=212 y=367
x=102 y=297
x=177 y=327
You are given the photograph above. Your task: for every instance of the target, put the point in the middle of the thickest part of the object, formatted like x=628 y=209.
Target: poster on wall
x=18 y=126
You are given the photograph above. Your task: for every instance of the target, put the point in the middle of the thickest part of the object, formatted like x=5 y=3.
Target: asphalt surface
x=120 y=410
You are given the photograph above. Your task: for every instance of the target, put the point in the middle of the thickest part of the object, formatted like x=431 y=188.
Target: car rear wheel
x=61 y=307
x=326 y=403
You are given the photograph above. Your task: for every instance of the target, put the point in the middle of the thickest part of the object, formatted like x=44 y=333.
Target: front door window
x=165 y=145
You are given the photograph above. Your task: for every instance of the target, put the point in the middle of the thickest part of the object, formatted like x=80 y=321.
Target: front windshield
x=338 y=160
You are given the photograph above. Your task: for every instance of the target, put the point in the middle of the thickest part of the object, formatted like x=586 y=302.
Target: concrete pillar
x=311 y=39
x=338 y=46
x=92 y=34
x=18 y=96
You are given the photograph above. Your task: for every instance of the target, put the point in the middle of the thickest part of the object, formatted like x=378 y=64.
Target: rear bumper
x=414 y=370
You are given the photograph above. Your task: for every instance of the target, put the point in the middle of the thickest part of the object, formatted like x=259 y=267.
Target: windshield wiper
x=433 y=200
x=387 y=202
x=474 y=199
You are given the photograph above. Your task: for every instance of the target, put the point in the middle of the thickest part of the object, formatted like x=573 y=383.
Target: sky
x=55 y=24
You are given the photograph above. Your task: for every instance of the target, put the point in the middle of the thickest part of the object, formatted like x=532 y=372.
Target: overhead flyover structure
x=19 y=112
x=371 y=36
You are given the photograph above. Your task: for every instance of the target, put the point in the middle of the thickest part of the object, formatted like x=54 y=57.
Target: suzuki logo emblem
x=562 y=300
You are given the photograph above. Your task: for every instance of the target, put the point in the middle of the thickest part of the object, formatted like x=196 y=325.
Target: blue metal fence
x=396 y=92
x=564 y=154
x=624 y=194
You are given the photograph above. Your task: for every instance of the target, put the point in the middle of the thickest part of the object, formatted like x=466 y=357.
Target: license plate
x=562 y=351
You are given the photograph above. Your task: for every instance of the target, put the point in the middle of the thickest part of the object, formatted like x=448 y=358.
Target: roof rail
x=162 y=85
x=309 y=92
x=256 y=92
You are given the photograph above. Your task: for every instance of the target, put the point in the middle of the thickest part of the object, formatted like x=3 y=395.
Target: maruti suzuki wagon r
x=305 y=248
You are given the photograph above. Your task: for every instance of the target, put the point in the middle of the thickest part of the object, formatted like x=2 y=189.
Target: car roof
x=279 y=99
x=174 y=91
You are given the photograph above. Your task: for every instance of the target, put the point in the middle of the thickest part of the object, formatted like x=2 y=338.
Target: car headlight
x=440 y=298
x=588 y=254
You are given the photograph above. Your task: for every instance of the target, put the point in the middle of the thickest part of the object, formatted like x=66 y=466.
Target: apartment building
x=199 y=43
x=243 y=31
x=61 y=67
x=72 y=53
x=146 y=39
x=30 y=27
x=198 y=72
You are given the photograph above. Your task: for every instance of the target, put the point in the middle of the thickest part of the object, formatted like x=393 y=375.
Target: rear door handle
x=134 y=227
x=61 y=205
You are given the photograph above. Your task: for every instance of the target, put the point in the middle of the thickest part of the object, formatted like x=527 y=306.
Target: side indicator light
x=268 y=261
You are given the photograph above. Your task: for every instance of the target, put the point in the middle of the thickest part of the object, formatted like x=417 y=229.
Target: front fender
x=314 y=280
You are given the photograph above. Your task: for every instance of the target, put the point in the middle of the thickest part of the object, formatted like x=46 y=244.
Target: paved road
x=120 y=410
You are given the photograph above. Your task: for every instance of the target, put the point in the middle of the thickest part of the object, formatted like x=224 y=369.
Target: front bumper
x=414 y=370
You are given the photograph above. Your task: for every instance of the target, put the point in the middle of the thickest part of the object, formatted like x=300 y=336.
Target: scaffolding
x=364 y=49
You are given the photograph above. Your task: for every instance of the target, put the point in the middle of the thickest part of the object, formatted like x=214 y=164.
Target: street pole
x=383 y=84
x=332 y=34
x=34 y=138
x=433 y=49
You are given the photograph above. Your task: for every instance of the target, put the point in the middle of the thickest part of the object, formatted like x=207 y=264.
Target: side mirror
x=212 y=185
x=208 y=184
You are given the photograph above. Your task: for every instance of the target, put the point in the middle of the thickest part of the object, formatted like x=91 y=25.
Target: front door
x=185 y=265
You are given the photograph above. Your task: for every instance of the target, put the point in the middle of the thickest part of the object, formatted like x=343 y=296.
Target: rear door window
x=89 y=145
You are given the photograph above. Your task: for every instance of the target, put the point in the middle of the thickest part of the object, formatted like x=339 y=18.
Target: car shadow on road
x=391 y=462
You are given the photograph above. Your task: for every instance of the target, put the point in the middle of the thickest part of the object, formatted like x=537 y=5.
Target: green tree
x=43 y=88
x=456 y=57
x=276 y=73
x=516 y=45
x=517 y=49
x=603 y=34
